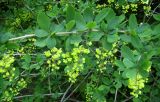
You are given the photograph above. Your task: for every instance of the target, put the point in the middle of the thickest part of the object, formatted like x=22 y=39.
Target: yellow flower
x=89 y=43
x=98 y=51
x=47 y=53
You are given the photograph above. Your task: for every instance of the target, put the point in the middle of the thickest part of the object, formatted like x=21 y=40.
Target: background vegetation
x=79 y=50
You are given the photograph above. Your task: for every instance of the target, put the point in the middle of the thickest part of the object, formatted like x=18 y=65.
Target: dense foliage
x=79 y=50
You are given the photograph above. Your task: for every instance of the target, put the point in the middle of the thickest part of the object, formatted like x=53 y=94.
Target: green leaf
x=50 y=42
x=127 y=53
x=128 y=63
x=68 y=44
x=80 y=22
x=122 y=2
x=102 y=14
x=57 y=27
x=70 y=13
x=95 y=36
x=106 y=44
x=27 y=58
x=125 y=38
x=136 y=42
x=120 y=65
x=132 y=1
x=70 y=25
x=111 y=38
x=40 y=59
x=111 y=14
x=104 y=26
x=12 y=46
x=156 y=17
x=131 y=73
x=88 y=15
x=5 y=37
x=43 y=21
x=75 y=39
x=106 y=81
x=121 y=18
x=91 y=25
x=145 y=1
x=118 y=84
x=35 y=66
x=79 y=18
x=113 y=22
x=145 y=31
x=156 y=30
x=41 y=33
x=144 y=62
x=40 y=42
x=102 y=87
x=133 y=25
x=2 y=86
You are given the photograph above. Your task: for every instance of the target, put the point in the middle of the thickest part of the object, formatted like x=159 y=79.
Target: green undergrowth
x=86 y=50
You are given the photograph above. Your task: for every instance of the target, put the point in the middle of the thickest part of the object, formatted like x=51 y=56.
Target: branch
x=128 y=99
x=23 y=96
x=58 y=34
x=77 y=87
x=49 y=82
x=115 y=97
x=74 y=100
x=19 y=54
x=22 y=37
x=32 y=75
x=63 y=97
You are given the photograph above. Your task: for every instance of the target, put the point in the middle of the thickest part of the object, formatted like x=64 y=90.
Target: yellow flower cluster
x=8 y=73
x=74 y=62
x=147 y=9
x=104 y=56
x=27 y=49
x=110 y=1
x=22 y=16
x=136 y=84
x=49 y=7
x=89 y=43
x=101 y=6
x=101 y=60
x=54 y=58
x=16 y=23
x=14 y=90
x=134 y=7
x=89 y=92
x=6 y=68
x=125 y=8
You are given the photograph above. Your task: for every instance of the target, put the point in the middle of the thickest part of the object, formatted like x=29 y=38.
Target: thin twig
x=77 y=87
x=74 y=100
x=123 y=94
x=58 y=34
x=33 y=75
x=115 y=97
x=22 y=37
x=20 y=54
x=49 y=82
x=152 y=13
x=144 y=18
x=63 y=97
x=128 y=99
x=23 y=96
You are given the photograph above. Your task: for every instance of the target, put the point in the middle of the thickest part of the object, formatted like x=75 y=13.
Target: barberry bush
x=79 y=50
